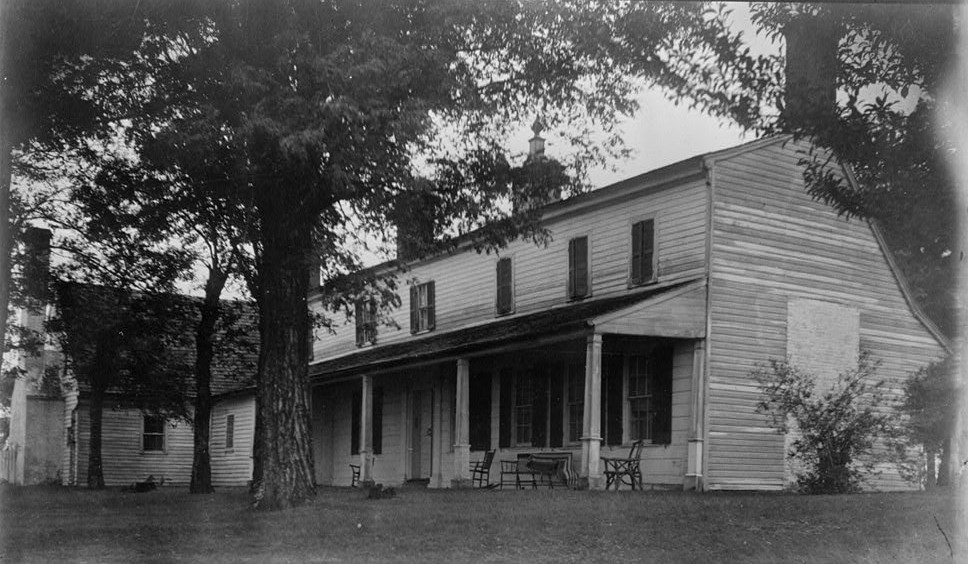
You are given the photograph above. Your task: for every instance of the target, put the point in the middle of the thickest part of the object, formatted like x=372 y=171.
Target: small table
x=538 y=467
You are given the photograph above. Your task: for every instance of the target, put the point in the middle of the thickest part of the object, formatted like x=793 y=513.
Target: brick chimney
x=36 y=269
x=415 y=219
x=811 y=69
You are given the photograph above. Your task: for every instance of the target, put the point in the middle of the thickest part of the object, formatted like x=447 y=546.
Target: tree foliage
x=835 y=430
x=862 y=81
x=931 y=404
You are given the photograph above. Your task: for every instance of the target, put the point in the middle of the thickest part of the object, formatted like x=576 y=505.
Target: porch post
x=694 y=463
x=592 y=416
x=366 y=431
x=462 y=421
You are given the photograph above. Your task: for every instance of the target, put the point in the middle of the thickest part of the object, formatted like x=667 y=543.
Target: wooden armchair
x=481 y=471
x=624 y=470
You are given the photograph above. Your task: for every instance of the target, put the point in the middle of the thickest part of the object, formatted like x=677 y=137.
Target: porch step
x=417 y=483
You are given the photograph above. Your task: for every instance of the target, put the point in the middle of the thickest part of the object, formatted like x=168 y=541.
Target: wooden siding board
x=772 y=242
x=465 y=282
x=232 y=467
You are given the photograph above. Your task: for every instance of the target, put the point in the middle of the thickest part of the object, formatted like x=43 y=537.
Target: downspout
x=709 y=167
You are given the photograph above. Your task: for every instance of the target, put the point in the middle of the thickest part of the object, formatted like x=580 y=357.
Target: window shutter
x=662 y=395
x=414 y=316
x=556 y=383
x=377 y=420
x=613 y=400
x=506 y=399
x=581 y=267
x=431 y=306
x=504 y=285
x=539 y=407
x=648 y=250
x=480 y=410
x=571 y=268
x=359 y=323
x=636 y=253
x=355 y=422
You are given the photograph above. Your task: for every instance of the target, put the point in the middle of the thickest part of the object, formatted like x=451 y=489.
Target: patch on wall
x=823 y=338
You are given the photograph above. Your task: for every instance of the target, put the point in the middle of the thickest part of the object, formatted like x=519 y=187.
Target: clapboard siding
x=465 y=281
x=771 y=243
x=123 y=460
x=232 y=466
x=68 y=455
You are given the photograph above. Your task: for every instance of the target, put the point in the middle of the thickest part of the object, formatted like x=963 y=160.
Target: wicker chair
x=624 y=470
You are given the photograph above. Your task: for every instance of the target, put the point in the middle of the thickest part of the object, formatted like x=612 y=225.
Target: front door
x=421 y=434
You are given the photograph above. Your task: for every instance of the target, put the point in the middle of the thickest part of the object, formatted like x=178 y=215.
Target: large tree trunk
x=204 y=352
x=285 y=441
x=95 y=470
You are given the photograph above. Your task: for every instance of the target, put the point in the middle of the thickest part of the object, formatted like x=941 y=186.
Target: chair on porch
x=627 y=471
x=355 y=468
x=481 y=471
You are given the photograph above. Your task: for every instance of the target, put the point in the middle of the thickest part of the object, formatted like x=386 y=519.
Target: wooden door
x=421 y=433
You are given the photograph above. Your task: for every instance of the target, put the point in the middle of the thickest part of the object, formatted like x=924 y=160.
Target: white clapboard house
x=641 y=320
x=50 y=424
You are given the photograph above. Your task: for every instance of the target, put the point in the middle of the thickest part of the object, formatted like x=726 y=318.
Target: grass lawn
x=54 y=525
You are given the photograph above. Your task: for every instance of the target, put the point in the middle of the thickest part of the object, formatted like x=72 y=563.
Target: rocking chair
x=624 y=470
x=481 y=471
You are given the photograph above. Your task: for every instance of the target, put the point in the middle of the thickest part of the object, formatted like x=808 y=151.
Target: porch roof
x=556 y=321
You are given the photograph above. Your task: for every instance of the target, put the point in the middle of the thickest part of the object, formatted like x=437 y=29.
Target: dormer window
x=365 y=322
x=422 y=307
x=578 y=286
x=642 y=267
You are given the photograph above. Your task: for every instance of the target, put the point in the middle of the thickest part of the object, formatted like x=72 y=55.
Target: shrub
x=838 y=427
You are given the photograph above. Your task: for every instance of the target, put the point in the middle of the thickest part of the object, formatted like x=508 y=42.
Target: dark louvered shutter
x=377 y=420
x=539 y=407
x=578 y=267
x=414 y=310
x=355 y=422
x=504 y=285
x=555 y=393
x=359 y=324
x=662 y=395
x=636 y=253
x=648 y=250
x=431 y=307
x=507 y=389
x=612 y=398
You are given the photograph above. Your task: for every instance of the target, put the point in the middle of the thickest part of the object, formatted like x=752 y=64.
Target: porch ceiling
x=614 y=314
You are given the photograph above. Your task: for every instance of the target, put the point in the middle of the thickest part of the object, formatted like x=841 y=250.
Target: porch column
x=592 y=417
x=366 y=431
x=462 y=421
x=694 y=463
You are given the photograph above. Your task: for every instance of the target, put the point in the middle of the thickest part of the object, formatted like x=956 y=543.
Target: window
x=229 y=431
x=505 y=287
x=650 y=396
x=576 y=401
x=365 y=322
x=523 y=398
x=377 y=419
x=642 y=268
x=422 y=307
x=153 y=434
x=578 y=268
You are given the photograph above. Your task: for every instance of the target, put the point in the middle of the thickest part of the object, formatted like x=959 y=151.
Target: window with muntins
x=642 y=268
x=650 y=396
x=229 y=431
x=578 y=286
x=153 y=434
x=576 y=401
x=505 y=287
x=365 y=322
x=523 y=405
x=422 y=307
